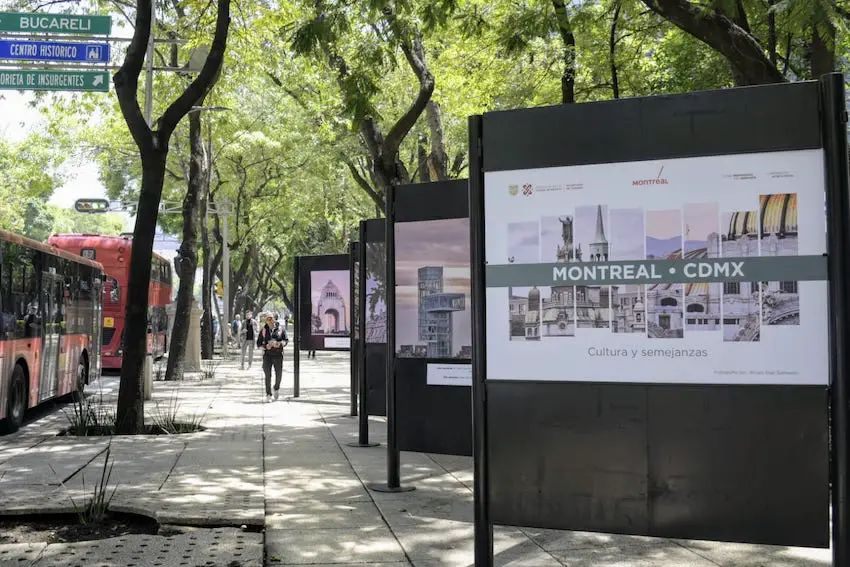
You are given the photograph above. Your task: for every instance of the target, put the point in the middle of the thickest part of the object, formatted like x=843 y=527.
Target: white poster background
x=792 y=354
x=449 y=375
x=337 y=342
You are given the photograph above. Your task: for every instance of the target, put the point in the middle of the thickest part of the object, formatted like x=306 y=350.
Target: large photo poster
x=330 y=292
x=433 y=308
x=376 y=307
x=695 y=270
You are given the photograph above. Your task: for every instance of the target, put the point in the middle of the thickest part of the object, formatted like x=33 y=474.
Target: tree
x=152 y=142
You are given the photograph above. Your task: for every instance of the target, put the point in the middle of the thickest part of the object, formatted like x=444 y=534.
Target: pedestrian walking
x=247 y=339
x=272 y=339
x=235 y=327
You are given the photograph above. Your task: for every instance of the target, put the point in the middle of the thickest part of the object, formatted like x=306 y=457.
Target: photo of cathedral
x=558 y=302
x=524 y=307
x=780 y=301
x=627 y=243
x=741 y=300
x=593 y=303
x=330 y=292
x=702 y=240
x=664 y=301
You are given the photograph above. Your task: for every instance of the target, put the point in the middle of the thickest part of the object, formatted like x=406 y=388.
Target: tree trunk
x=130 y=415
x=206 y=283
x=439 y=159
x=568 y=76
x=188 y=251
x=612 y=51
x=823 y=50
x=750 y=65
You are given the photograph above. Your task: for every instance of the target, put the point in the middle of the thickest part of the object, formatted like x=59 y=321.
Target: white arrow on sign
x=97 y=81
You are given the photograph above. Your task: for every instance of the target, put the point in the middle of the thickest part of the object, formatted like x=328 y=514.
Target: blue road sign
x=54 y=51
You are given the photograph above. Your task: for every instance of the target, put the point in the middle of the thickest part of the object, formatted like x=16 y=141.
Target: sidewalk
x=285 y=466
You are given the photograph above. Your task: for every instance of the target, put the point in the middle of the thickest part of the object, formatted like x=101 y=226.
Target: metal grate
x=108 y=333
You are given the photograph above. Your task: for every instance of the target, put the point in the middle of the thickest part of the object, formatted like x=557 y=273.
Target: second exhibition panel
x=323 y=302
x=433 y=309
x=373 y=311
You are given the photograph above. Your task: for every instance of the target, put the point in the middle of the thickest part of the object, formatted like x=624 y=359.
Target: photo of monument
x=433 y=308
x=741 y=300
x=375 y=307
x=664 y=301
x=627 y=243
x=593 y=303
x=557 y=315
x=780 y=301
x=355 y=299
x=330 y=292
x=702 y=240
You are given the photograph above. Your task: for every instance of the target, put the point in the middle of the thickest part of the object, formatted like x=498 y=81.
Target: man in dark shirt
x=272 y=339
x=248 y=336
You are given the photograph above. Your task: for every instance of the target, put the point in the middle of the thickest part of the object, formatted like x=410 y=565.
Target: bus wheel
x=82 y=378
x=16 y=402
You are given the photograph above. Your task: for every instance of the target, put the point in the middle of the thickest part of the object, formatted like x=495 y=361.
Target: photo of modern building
x=702 y=240
x=330 y=291
x=593 y=303
x=375 y=307
x=433 y=289
x=780 y=301
x=741 y=300
x=627 y=243
x=664 y=301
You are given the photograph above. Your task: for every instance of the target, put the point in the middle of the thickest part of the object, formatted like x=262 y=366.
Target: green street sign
x=70 y=80
x=55 y=23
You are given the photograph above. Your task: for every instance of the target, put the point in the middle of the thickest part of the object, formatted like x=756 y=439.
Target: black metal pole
x=481 y=493
x=356 y=338
x=363 y=422
x=296 y=335
x=393 y=483
x=834 y=118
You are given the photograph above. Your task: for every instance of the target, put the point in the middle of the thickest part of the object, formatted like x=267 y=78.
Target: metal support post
x=483 y=527
x=362 y=386
x=393 y=483
x=834 y=117
x=296 y=335
x=225 y=260
x=149 y=70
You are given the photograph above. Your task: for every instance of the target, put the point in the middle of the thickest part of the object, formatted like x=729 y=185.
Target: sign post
x=55 y=23
x=66 y=80
x=24 y=50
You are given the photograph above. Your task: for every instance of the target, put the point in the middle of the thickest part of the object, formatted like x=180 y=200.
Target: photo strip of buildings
x=780 y=301
x=664 y=301
x=741 y=300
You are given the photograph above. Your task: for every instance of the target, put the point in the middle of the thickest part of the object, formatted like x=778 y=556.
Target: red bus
x=113 y=253
x=50 y=324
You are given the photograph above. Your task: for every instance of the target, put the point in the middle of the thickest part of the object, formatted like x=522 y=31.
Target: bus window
x=89 y=253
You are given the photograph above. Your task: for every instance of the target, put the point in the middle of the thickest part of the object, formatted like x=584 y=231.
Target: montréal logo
x=513 y=190
x=657 y=180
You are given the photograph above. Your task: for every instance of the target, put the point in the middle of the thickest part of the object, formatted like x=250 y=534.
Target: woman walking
x=272 y=339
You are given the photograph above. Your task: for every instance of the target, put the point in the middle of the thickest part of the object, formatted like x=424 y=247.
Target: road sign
x=69 y=80
x=92 y=205
x=54 y=51
x=55 y=23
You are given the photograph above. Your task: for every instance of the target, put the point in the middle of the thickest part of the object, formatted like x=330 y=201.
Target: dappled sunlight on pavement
x=286 y=467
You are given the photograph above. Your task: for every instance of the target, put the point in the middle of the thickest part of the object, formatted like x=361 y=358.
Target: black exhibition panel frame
x=374 y=355
x=745 y=463
x=429 y=418
x=306 y=265
x=356 y=266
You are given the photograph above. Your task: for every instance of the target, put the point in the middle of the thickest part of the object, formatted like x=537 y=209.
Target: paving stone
x=323 y=515
x=21 y=554
x=743 y=555
x=368 y=545
x=412 y=509
x=661 y=555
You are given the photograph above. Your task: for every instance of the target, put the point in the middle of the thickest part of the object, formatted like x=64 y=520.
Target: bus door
x=97 y=330
x=51 y=289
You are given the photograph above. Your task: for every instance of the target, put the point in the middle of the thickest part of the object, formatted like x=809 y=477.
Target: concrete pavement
x=285 y=467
